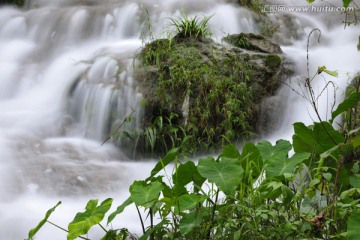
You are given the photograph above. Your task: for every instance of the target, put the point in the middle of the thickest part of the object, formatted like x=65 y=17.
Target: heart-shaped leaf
x=226 y=173
x=267 y=150
x=279 y=164
x=142 y=193
x=188 y=201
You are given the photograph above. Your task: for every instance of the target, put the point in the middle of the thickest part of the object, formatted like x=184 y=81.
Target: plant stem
x=141 y=220
x=102 y=228
x=66 y=230
x=151 y=223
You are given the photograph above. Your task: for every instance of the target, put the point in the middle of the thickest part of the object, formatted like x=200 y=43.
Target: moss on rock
x=209 y=90
x=273 y=62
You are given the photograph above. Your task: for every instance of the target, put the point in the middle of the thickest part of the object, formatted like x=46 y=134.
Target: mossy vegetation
x=273 y=62
x=202 y=89
x=209 y=95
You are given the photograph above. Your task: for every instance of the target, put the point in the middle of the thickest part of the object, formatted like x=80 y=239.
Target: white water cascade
x=66 y=75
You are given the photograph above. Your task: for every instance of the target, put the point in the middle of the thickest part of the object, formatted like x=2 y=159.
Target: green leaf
x=188 y=201
x=169 y=157
x=267 y=150
x=119 y=209
x=332 y=73
x=190 y=221
x=187 y=173
x=230 y=151
x=142 y=193
x=93 y=215
x=327 y=176
x=346 y=3
x=33 y=231
x=358 y=46
x=355 y=180
x=226 y=174
x=353 y=225
x=279 y=164
x=315 y=139
x=348 y=103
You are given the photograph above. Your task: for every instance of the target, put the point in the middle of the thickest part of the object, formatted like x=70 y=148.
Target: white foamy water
x=66 y=74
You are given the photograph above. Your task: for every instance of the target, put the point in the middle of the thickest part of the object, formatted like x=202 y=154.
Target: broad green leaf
x=358 y=46
x=83 y=221
x=119 y=209
x=353 y=225
x=155 y=228
x=346 y=3
x=348 y=103
x=188 y=201
x=279 y=164
x=187 y=173
x=267 y=150
x=355 y=180
x=226 y=174
x=315 y=139
x=230 y=151
x=33 y=231
x=310 y=1
x=142 y=193
x=303 y=139
x=287 y=194
x=190 y=221
x=169 y=157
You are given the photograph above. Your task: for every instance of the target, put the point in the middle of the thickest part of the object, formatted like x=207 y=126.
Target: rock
x=253 y=42
x=207 y=90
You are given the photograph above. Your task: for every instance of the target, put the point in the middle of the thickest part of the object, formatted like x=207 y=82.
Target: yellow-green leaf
x=83 y=221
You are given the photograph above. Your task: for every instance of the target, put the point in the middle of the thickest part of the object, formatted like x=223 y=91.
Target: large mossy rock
x=206 y=89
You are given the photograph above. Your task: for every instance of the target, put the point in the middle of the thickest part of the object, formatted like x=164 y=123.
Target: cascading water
x=66 y=76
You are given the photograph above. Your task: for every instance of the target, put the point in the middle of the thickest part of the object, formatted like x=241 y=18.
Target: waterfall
x=66 y=80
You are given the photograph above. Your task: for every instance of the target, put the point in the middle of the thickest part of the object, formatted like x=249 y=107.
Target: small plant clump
x=195 y=27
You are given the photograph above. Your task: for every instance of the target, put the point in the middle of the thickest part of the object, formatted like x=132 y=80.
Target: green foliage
x=353 y=225
x=218 y=93
x=264 y=191
x=347 y=104
x=186 y=27
x=226 y=173
x=93 y=215
x=143 y=194
x=346 y=2
x=273 y=62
